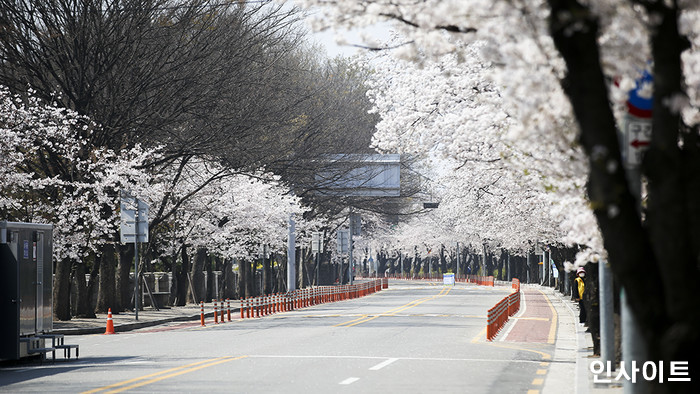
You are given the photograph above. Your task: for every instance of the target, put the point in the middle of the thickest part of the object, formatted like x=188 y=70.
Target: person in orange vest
x=580 y=288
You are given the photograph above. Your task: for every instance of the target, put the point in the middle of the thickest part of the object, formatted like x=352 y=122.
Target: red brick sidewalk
x=537 y=323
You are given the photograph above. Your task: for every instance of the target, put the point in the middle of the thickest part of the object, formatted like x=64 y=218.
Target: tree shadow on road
x=12 y=372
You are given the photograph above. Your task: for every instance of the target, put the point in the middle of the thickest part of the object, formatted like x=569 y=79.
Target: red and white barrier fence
x=505 y=308
x=302 y=298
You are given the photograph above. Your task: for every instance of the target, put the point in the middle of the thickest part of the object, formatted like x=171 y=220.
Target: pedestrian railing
x=282 y=302
x=499 y=314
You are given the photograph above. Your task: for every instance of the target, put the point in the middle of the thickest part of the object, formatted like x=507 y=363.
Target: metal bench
x=33 y=347
x=57 y=343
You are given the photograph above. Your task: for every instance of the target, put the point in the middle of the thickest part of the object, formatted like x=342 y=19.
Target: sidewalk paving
x=126 y=321
x=573 y=342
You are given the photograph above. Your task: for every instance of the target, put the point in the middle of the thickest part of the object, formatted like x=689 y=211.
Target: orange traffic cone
x=110 y=323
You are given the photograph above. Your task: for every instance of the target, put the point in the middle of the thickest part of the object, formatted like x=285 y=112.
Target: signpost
x=317 y=249
x=448 y=279
x=637 y=128
x=637 y=138
x=343 y=241
x=134 y=228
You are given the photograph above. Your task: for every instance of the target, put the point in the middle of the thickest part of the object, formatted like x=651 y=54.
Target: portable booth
x=26 y=285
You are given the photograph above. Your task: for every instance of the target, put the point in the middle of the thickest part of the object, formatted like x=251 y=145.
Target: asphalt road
x=411 y=338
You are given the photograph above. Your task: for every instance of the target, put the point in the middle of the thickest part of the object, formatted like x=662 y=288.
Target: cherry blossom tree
x=51 y=175
x=554 y=64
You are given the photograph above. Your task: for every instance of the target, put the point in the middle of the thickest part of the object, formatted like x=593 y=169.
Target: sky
x=327 y=38
x=380 y=33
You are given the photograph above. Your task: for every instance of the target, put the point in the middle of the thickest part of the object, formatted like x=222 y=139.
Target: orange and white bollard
x=228 y=309
x=223 y=320
x=216 y=313
x=201 y=313
x=110 y=323
x=242 y=308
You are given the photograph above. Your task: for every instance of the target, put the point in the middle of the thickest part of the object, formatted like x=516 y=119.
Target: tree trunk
x=182 y=282
x=252 y=271
x=243 y=279
x=106 y=294
x=125 y=290
x=381 y=264
x=299 y=263
x=659 y=298
x=197 y=276
x=281 y=274
x=92 y=286
x=211 y=282
x=673 y=216
x=174 y=285
x=229 y=280
x=83 y=296
x=61 y=290
x=267 y=276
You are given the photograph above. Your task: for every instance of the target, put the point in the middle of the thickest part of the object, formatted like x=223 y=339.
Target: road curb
x=582 y=384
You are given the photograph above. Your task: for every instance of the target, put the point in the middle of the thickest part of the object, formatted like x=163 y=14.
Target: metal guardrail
x=505 y=308
x=282 y=302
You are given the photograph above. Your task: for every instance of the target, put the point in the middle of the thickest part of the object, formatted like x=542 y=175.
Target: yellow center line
x=148 y=376
x=479 y=335
x=390 y=311
x=353 y=320
x=170 y=372
x=416 y=303
x=552 y=327
x=159 y=378
x=394 y=311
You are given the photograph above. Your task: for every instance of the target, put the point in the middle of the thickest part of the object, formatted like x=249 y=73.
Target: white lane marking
x=349 y=381
x=383 y=364
x=479 y=360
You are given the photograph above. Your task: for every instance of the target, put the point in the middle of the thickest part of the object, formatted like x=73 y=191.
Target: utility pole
x=457 y=270
x=291 y=255
x=508 y=267
x=544 y=265
x=527 y=264
x=607 y=328
x=134 y=227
